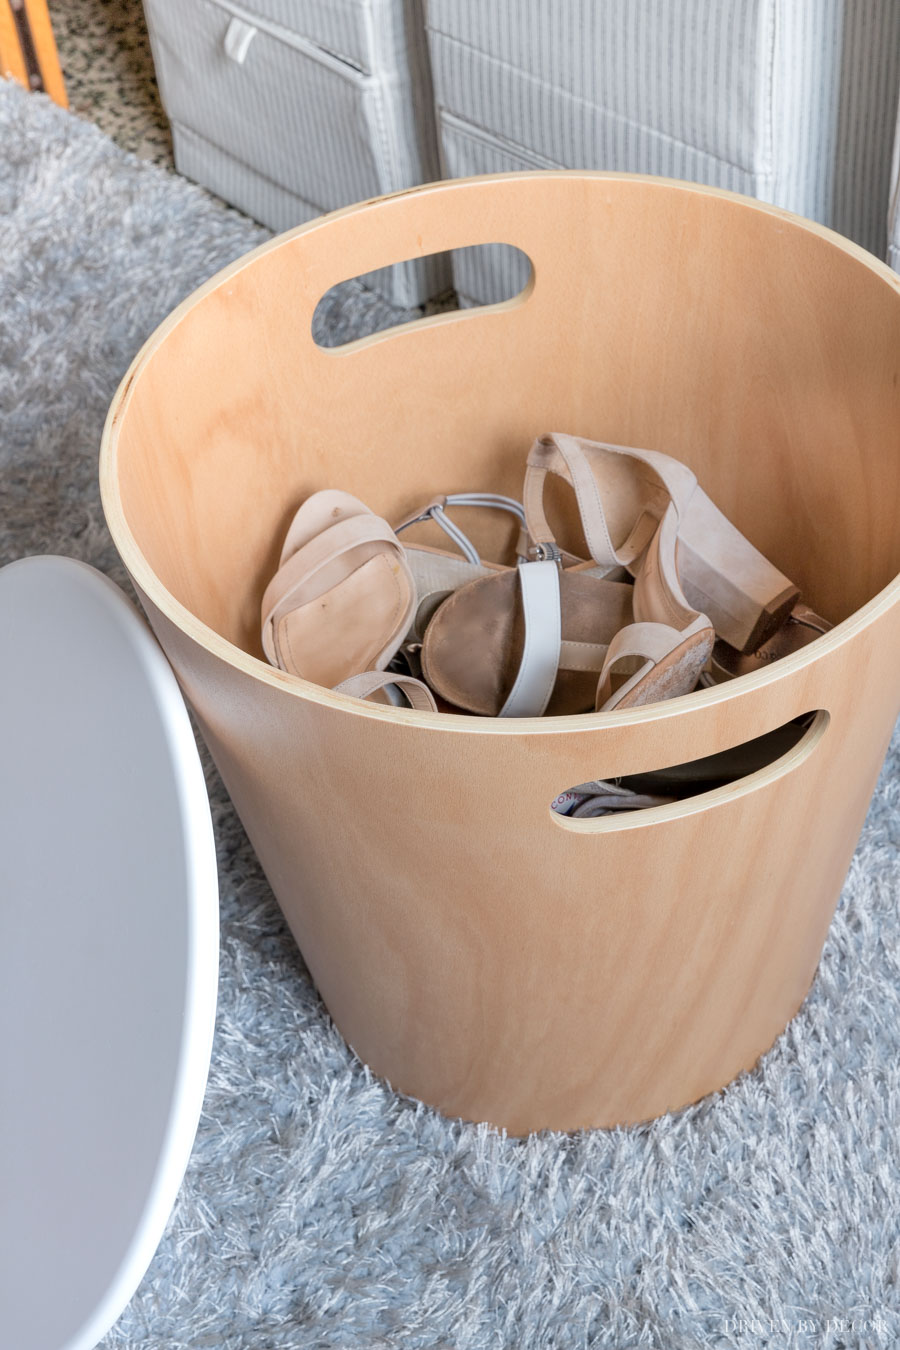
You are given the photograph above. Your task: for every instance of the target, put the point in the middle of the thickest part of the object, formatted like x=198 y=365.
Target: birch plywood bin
x=495 y=960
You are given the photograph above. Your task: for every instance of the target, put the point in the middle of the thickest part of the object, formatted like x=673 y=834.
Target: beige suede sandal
x=524 y=642
x=341 y=602
x=623 y=494
x=663 y=653
x=553 y=640
x=437 y=572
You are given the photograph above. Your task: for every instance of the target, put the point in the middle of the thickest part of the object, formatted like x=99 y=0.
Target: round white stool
x=108 y=951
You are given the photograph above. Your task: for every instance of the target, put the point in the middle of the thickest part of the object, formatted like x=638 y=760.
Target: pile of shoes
x=672 y=596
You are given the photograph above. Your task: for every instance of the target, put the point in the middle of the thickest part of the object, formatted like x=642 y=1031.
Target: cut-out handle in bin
x=786 y=763
x=513 y=296
x=603 y=746
x=457 y=214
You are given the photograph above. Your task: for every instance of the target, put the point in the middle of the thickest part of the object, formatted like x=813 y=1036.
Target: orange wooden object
x=28 y=49
x=498 y=961
x=12 y=62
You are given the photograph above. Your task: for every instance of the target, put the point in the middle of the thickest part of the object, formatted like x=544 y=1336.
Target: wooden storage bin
x=493 y=959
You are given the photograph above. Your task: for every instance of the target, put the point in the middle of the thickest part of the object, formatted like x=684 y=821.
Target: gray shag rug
x=319 y=1208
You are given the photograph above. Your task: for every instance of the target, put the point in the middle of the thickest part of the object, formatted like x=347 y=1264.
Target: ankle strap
x=565 y=456
x=417 y=694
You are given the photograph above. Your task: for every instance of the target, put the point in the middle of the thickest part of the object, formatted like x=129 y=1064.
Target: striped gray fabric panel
x=520 y=110
x=307 y=121
x=870 y=75
x=406 y=285
x=835 y=83
x=791 y=101
x=687 y=69
x=338 y=26
x=493 y=272
x=246 y=189
x=893 y=256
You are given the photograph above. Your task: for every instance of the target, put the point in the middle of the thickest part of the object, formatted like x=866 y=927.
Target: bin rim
x=149 y=585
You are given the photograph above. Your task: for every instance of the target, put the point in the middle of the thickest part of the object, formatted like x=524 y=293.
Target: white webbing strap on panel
x=238 y=37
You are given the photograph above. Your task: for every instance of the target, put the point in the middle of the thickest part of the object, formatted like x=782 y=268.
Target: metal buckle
x=547 y=551
x=437 y=504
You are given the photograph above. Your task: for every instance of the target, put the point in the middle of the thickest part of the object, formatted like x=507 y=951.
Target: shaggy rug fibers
x=319 y=1208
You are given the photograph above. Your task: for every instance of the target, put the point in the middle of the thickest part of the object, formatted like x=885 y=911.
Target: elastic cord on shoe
x=436 y=511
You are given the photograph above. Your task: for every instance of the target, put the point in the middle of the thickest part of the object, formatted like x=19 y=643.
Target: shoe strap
x=311 y=558
x=538 y=668
x=658 y=596
x=417 y=694
x=648 y=642
x=672 y=475
x=436 y=510
x=587 y=657
x=565 y=457
x=637 y=648
x=544 y=652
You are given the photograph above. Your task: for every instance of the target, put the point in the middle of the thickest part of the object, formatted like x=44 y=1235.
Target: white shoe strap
x=530 y=694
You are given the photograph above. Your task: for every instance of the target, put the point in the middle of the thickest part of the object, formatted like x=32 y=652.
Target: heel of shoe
x=725 y=577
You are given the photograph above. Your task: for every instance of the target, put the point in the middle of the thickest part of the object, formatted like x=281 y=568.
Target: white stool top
x=108 y=951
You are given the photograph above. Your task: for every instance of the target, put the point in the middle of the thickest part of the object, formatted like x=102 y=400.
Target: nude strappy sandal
x=437 y=572
x=549 y=640
x=526 y=641
x=663 y=653
x=341 y=602
x=623 y=494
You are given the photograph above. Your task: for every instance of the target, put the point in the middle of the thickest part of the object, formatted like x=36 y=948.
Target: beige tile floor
x=105 y=56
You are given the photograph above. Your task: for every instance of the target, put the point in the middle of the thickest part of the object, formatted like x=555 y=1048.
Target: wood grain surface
x=12 y=62
x=45 y=47
x=498 y=961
